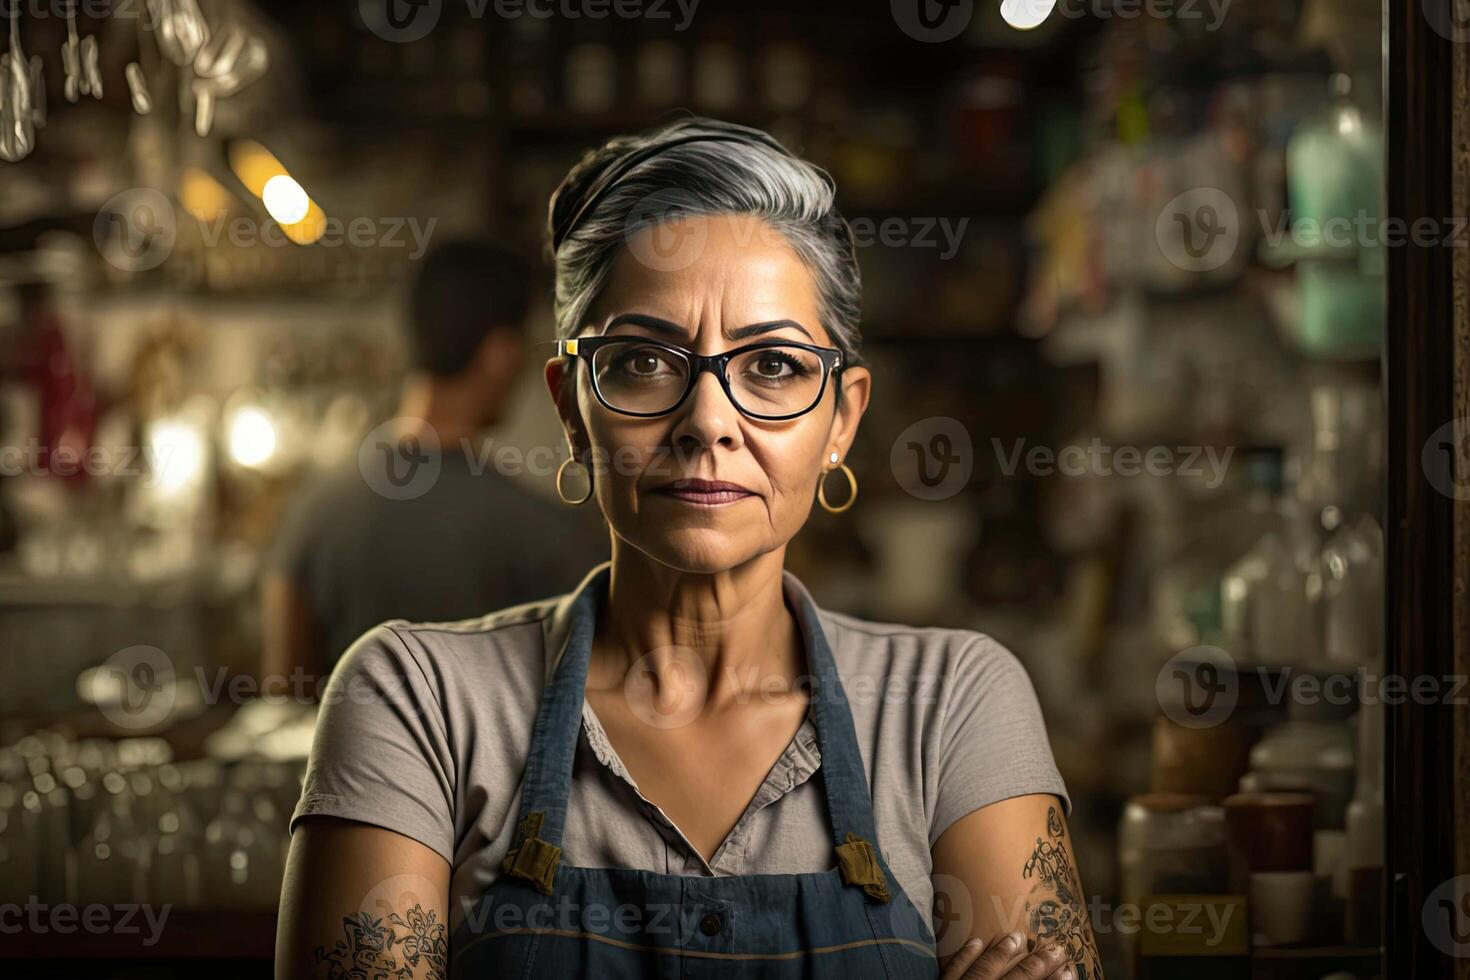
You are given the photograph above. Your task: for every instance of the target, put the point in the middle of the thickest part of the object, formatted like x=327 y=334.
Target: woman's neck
x=736 y=623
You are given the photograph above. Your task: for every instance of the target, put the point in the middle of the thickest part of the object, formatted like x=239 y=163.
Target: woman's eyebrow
x=660 y=325
x=655 y=323
x=755 y=329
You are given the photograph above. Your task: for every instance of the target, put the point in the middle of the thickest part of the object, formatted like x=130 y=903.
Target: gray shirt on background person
x=459 y=540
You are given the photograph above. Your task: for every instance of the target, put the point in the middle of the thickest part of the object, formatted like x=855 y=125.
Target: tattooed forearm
x=406 y=947
x=1055 y=911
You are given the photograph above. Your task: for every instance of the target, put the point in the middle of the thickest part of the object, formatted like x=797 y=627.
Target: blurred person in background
x=359 y=545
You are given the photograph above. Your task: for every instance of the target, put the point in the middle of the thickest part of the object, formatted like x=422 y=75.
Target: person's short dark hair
x=462 y=291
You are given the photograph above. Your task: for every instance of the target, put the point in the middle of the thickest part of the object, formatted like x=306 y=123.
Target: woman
x=685 y=766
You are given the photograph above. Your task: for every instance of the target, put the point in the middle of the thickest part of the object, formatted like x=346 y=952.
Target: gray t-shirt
x=426 y=727
x=462 y=544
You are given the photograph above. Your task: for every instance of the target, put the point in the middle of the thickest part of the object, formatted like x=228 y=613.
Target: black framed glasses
x=772 y=380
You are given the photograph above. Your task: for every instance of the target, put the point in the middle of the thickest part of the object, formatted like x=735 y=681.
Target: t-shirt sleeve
x=993 y=741
x=381 y=752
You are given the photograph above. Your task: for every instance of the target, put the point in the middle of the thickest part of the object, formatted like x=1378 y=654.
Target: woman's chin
x=699 y=550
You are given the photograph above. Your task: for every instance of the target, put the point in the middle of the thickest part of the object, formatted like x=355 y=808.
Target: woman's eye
x=772 y=366
x=642 y=363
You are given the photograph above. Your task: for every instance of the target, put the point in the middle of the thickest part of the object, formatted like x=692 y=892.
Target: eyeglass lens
x=644 y=378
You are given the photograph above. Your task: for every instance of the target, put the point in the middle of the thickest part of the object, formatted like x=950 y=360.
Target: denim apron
x=545 y=918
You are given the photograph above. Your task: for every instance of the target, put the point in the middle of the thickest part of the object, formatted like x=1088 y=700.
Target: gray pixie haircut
x=674 y=172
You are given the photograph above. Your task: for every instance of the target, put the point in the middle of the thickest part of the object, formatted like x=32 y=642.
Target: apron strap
x=547 y=780
x=849 y=802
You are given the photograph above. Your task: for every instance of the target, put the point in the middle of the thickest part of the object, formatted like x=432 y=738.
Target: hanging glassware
x=17 y=120
x=138 y=88
x=231 y=59
x=79 y=61
x=181 y=29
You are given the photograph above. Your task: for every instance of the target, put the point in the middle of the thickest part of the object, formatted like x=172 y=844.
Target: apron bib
x=546 y=918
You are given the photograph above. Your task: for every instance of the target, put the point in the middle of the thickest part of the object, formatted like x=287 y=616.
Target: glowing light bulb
x=285 y=199
x=180 y=454
x=252 y=437
x=1023 y=15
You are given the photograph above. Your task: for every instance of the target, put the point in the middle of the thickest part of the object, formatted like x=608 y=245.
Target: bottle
x=1270 y=597
x=1352 y=587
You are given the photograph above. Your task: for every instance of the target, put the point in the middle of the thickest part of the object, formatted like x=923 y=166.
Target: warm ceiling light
x=285 y=199
x=310 y=228
x=254 y=165
x=203 y=196
x=1023 y=15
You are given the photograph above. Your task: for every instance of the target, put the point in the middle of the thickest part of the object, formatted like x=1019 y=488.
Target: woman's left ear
x=560 y=377
x=857 y=387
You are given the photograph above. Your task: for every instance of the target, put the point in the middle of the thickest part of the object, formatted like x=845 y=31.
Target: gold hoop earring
x=851 y=484
x=560 y=470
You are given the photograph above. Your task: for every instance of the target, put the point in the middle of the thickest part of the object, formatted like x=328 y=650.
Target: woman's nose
x=709 y=417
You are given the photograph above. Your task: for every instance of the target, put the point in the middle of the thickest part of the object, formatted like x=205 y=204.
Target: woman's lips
x=711 y=493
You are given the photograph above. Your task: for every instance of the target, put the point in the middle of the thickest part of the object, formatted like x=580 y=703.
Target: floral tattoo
x=1055 y=912
x=406 y=947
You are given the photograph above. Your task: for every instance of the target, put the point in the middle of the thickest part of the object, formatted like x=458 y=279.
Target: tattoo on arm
x=1055 y=912
x=412 y=946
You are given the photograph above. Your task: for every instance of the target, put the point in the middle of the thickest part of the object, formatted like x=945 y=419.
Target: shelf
x=223 y=934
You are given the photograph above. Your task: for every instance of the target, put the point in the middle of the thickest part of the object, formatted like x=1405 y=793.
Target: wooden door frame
x=1427 y=384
